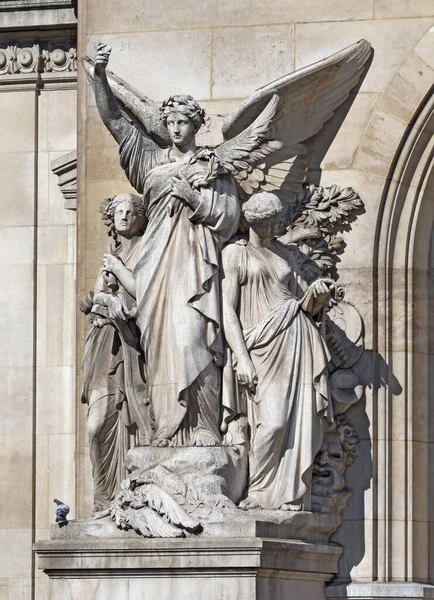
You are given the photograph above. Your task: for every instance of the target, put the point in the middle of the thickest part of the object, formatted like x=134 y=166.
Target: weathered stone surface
x=385 y=9
x=394 y=28
x=411 y=83
x=375 y=591
x=36 y=13
x=425 y=48
x=342 y=151
x=379 y=144
x=401 y=35
x=233 y=568
x=268 y=53
x=15 y=563
x=299 y=525
x=154 y=76
x=225 y=14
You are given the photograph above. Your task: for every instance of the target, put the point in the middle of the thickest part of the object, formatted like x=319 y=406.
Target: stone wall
x=37 y=283
x=220 y=52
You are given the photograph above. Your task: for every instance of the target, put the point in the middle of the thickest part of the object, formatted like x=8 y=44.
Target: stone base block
x=187 y=569
x=383 y=591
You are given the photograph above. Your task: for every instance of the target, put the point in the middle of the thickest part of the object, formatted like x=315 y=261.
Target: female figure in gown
x=175 y=282
x=279 y=356
x=110 y=427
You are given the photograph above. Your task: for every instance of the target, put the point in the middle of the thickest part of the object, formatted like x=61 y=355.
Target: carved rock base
x=276 y=524
x=212 y=467
x=187 y=569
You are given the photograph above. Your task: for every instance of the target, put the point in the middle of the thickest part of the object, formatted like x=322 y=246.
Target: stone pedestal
x=192 y=568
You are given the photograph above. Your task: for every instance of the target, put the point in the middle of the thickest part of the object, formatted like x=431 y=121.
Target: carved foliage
x=316 y=218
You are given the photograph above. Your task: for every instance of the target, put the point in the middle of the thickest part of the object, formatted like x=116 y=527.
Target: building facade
x=381 y=145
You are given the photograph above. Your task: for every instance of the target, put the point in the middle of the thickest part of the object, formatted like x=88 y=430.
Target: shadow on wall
x=319 y=144
x=374 y=373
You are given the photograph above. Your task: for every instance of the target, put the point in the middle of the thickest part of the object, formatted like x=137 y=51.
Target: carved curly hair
x=187 y=105
x=348 y=438
x=108 y=208
x=262 y=206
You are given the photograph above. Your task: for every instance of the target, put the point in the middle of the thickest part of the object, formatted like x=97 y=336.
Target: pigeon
x=61 y=511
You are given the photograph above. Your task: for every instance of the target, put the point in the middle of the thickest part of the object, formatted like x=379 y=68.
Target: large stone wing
x=308 y=98
x=244 y=152
x=134 y=106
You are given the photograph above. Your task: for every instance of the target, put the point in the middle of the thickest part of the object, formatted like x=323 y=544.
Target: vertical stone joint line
x=35 y=326
x=211 y=73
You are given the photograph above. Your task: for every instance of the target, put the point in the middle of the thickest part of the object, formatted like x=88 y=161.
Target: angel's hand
x=102 y=57
x=182 y=189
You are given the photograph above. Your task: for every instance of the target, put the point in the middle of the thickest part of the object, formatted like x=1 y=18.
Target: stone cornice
x=14 y=5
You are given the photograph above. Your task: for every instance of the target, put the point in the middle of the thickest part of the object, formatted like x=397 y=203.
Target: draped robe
x=178 y=291
x=110 y=429
x=291 y=408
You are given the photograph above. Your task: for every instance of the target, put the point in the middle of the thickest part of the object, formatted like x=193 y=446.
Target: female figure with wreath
x=111 y=427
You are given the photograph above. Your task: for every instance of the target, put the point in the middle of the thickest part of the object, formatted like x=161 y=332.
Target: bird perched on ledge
x=62 y=510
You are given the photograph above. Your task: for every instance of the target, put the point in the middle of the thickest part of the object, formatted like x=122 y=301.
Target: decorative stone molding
x=59 y=56
x=65 y=168
x=43 y=57
x=14 y=59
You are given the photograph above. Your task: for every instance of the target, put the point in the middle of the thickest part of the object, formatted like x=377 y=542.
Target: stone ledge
x=167 y=557
x=374 y=591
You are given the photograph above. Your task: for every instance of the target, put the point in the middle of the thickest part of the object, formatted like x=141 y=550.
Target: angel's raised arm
x=120 y=104
x=132 y=119
x=106 y=102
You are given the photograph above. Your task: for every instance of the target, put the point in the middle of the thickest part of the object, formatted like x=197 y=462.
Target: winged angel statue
x=228 y=307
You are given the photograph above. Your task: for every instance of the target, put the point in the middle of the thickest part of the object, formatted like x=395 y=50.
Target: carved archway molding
x=400 y=513
x=401 y=433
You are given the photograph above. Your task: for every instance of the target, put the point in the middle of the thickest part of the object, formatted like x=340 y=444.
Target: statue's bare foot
x=291 y=507
x=249 y=503
x=162 y=442
x=204 y=439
